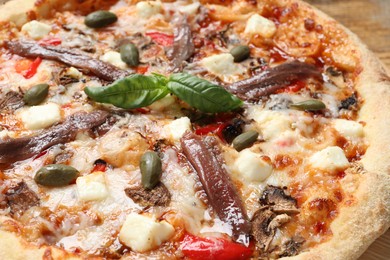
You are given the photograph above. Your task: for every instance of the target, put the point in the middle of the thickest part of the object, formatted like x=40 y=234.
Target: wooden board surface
x=370 y=20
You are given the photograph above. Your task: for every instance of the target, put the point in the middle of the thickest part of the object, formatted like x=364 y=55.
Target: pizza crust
x=355 y=228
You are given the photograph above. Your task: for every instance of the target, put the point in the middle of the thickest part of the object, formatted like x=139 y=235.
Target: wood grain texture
x=370 y=20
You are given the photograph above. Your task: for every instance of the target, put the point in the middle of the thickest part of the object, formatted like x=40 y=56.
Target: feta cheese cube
x=142 y=233
x=178 y=127
x=329 y=159
x=114 y=58
x=190 y=9
x=36 y=30
x=252 y=167
x=221 y=64
x=257 y=24
x=348 y=129
x=39 y=117
x=271 y=123
x=92 y=186
x=146 y=9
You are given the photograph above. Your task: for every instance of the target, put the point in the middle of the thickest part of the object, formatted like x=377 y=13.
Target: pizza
x=220 y=129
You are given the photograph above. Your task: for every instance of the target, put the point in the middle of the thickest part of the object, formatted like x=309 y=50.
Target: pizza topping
x=36 y=30
x=20 y=198
x=158 y=196
x=309 y=105
x=216 y=182
x=183 y=46
x=56 y=175
x=222 y=65
x=245 y=140
x=263 y=231
x=178 y=127
x=270 y=80
x=11 y=101
x=36 y=94
x=143 y=233
x=12 y=150
x=114 y=58
x=348 y=128
x=257 y=24
x=213 y=248
x=150 y=166
x=70 y=57
x=278 y=200
x=290 y=247
x=253 y=167
x=39 y=117
x=100 y=19
x=31 y=70
x=349 y=103
x=329 y=159
x=146 y=9
x=240 y=53
x=129 y=54
x=92 y=186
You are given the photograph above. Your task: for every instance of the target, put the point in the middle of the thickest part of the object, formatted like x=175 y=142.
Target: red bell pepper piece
x=161 y=38
x=214 y=128
x=50 y=42
x=31 y=70
x=213 y=249
x=142 y=69
x=293 y=87
x=99 y=167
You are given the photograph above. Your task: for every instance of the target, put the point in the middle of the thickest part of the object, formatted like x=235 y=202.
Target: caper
x=150 y=166
x=245 y=140
x=310 y=105
x=129 y=54
x=36 y=94
x=100 y=19
x=240 y=53
x=56 y=175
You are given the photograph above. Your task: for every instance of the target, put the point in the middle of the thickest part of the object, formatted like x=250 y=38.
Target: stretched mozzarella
x=329 y=159
x=147 y=9
x=271 y=123
x=36 y=30
x=39 y=117
x=142 y=233
x=257 y=24
x=349 y=129
x=221 y=65
x=114 y=58
x=92 y=187
x=178 y=127
x=252 y=167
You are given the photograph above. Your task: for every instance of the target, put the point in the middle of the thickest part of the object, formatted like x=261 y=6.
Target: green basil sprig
x=202 y=94
x=131 y=92
x=138 y=91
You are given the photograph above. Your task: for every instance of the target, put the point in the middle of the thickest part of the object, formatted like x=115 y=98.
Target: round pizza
x=218 y=129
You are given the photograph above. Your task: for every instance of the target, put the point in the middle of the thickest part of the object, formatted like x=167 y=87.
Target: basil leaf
x=202 y=94
x=134 y=91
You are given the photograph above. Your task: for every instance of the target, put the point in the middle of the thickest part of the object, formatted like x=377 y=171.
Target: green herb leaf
x=134 y=91
x=202 y=94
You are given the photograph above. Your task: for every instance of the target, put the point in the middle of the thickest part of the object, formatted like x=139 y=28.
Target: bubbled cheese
x=252 y=167
x=36 y=30
x=39 y=117
x=329 y=159
x=147 y=9
x=114 y=58
x=257 y=24
x=92 y=186
x=348 y=129
x=142 y=233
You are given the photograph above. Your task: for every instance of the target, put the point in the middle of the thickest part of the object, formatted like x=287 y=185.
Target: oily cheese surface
x=352 y=233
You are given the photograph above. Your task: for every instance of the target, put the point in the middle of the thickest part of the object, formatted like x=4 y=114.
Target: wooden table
x=370 y=20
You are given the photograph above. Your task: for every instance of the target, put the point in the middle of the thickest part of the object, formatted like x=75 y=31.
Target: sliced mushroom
x=158 y=196
x=20 y=198
x=291 y=247
x=278 y=200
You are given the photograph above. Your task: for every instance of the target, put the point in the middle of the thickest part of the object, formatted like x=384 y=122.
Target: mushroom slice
x=158 y=196
x=277 y=198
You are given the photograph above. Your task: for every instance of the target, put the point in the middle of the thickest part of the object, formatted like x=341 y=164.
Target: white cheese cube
x=221 y=64
x=146 y=9
x=329 y=159
x=39 y=117
x=36 y=30
x=348 y=129
x=271 y=123
x=252 y=167
x=163 y=103
x=74 y=73
x=114 y=58
x=257 y=24
x=190 y=9
x=142 y=233
x=92 y=186
x=178 y=127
